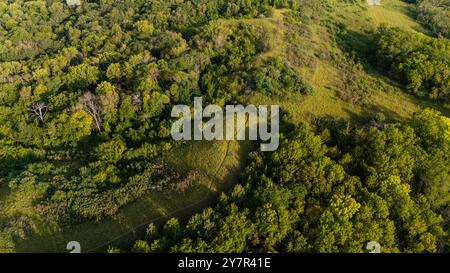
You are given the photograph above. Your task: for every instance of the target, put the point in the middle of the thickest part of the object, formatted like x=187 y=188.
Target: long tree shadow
x=132 y=220
x=119 y=230
x=370 y=111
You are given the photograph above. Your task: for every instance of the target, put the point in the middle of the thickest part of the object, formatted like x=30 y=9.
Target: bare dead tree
x=137 y=101
x=39 y=110
x=91 y=103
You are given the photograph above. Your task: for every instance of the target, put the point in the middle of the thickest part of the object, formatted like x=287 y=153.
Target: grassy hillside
x=216 y=174
x=396 y=14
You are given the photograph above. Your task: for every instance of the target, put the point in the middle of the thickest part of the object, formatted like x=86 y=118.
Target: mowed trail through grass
x=218 y=164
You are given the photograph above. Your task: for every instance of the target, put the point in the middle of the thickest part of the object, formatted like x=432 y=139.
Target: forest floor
x=219 y=163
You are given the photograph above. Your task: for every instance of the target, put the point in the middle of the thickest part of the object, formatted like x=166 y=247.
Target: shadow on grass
x=131 y=221
x=128 y=225
x=369 y=111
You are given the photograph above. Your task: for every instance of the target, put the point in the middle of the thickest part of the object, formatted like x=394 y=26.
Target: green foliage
x=276 y=77
x=145 y=28
x=113 y=250
x=421 y=62
x=107 y=75
x=332 y=192
x=433 y=131
x=111 y=151
x=141 y=247
x=81 y=76
x=70 y=129
x=222 y=80
x=114 y=71
x=435 y=14
x=151 y=231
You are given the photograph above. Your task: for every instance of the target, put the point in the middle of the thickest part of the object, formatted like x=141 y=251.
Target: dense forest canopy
x=421 y=62
x=329 y=191
x=86 y=93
